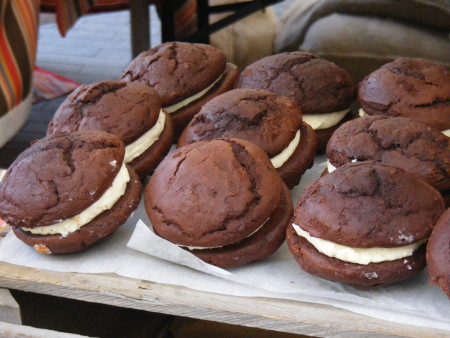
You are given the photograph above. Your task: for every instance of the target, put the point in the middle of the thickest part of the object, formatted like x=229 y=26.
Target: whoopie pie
x=69 y=191
x=407 y=87
x=185 y=76
x=220 y=199
x=438 y=253
x=131 y=111
x=411 y=145
x=323 y=91
x=272 y=122
x=365 y=224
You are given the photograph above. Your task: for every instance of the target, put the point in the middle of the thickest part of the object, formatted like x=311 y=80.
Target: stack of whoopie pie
x=272 y=122
x=220 y=199
x=69 y=191
x=185 y=76
x=131 y=111
x=323 y=91
x=407 y=87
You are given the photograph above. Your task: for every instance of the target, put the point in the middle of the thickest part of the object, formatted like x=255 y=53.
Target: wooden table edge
x=266 y=313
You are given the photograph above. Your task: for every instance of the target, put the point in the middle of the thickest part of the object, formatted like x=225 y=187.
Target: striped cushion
x=18 y=40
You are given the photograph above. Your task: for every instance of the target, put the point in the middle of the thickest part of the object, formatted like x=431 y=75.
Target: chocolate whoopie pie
x=401 y=142
x=364 y=224
x=185 y=76
x=220 y=199
x=323 y=91
x=438 y=253
x=272 y=122
x=69 y=191
x=131 y=111
x=407 y=87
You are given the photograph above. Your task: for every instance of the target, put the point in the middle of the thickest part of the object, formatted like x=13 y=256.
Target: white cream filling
x=106 y=202
x=216 y=247
x=2 y=174
x=282 y=157
x=362 y=256
x=332 y=168
x=324 y=121
x=144 y=142
x=446 y=132
x=362 y=113
x=173 y=108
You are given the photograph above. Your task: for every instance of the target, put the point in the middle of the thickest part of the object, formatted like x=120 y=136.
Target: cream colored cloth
x=247 y=40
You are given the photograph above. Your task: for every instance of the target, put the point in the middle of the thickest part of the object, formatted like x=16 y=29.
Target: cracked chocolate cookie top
x=263 y=118
x=127 y=110
x=413 y=88
x=402 y=142
x=369 y=204
x=177 y=70
x=438 y=253
x=212 y=193
x=58 y=177
x=317 y=85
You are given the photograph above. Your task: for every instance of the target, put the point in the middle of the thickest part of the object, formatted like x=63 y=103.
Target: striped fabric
x=48 y=85
x=18 y=40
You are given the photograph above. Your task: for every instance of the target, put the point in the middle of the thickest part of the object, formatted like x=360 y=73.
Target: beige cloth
x=247 y=40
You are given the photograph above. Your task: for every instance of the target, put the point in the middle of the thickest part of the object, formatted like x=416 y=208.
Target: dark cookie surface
x=413 y=88
x=99 y=228
x=177 y=70
x=259 y=245
x=316 y=85
x=58 y=177
x=359 y=275
x=265 y=119
x=369 y=204
x=212 y=193
x=438 y=253
x=184 y=115
x=127 y=110
x=401 y=142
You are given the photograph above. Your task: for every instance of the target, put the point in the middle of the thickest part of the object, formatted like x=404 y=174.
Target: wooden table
x=265 y=313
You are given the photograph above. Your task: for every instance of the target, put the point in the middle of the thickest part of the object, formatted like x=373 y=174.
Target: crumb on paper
x=42 y=249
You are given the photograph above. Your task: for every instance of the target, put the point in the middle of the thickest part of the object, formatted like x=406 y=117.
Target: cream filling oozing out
x=362 y=256
x=216 y=247
x=362 y=113
x=106 y=202
x=324 y=121
x=2 y=174
x=282 y=157
x=138 y=147
x=332 y=168
x=173 y=108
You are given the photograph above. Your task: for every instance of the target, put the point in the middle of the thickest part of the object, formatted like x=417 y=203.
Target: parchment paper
x=135 y=251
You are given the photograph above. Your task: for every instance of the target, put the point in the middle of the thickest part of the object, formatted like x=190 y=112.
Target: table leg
x=140 y=26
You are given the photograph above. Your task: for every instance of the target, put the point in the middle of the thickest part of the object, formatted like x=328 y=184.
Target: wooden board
x=273 y=314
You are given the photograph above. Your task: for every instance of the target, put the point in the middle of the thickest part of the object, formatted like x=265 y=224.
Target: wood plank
x=272 y=314
x=14 y=330
x=9 y=309
x=140 y=26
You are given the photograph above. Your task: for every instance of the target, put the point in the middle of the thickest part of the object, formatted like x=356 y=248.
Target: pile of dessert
x=375 y=217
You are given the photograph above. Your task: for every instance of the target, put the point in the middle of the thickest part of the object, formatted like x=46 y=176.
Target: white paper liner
x=136 y=252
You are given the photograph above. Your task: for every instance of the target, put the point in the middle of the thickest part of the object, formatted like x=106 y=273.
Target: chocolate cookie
x=438 y=253
x=402 y=142
x=272 y=122
x=131 y=111
x=68 y=191
x=221 y=199
x=184 y=75
x=323 y=91
x=406 y=87
x=364 y=224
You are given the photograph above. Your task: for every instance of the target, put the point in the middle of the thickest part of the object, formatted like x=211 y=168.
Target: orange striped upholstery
x=18 y=40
